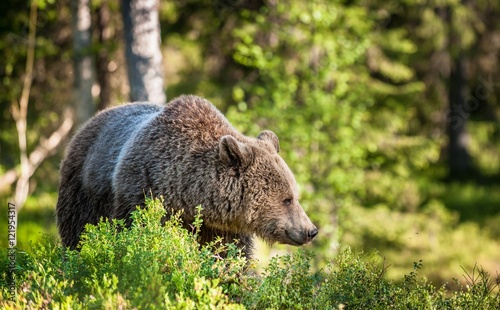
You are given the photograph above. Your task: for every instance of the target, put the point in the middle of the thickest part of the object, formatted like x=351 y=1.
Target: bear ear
x=235 y=154
x=270 y=136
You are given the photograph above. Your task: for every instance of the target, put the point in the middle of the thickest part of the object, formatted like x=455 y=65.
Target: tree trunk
x=20 y=113
x=82 y=57
x=142 y=50
x=102 y=61
x=458 y=155
x=459 y=162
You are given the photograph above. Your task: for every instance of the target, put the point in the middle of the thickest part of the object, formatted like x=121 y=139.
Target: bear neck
x=217 y=189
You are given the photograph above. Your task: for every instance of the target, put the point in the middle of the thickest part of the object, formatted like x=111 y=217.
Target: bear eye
x=287 y=202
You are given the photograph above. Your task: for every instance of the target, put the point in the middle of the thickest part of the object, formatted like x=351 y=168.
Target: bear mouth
x=292 y=239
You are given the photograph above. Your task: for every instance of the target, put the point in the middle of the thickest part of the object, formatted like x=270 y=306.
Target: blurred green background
x=362 y=95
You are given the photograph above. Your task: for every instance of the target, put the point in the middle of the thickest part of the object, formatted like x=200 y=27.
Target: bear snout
x=301 y=236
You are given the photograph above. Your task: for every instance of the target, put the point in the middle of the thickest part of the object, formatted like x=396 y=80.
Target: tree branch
x=46 y=148
x=20 y=113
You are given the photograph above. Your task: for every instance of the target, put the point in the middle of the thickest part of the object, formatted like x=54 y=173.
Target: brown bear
x=190 y=154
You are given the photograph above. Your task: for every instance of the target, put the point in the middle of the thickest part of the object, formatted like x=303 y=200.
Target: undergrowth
x=153 y=266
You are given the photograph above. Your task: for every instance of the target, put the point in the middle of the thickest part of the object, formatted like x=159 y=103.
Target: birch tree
x=29 y=162
x=82 y=57
x=142 y=50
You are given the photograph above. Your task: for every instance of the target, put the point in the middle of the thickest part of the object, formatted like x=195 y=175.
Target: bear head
x=269 y=204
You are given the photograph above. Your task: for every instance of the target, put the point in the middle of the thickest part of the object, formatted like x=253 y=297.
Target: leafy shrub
x=147 y=265
x=154 y=266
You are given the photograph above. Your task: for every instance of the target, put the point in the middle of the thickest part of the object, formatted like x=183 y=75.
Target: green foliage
x=304 y=63
x=147 y=264
x=287 y=283
x=155 y=266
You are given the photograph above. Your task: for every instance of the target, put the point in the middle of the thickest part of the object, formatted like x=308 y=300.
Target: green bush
x=153 y=266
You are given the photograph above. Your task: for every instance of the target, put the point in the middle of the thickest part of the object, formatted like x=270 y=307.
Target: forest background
x=387 y=111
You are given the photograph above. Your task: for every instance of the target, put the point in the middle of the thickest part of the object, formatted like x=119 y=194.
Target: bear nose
x=312 y=233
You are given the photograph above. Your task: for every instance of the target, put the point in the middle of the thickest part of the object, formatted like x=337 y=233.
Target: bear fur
x=188 y=153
